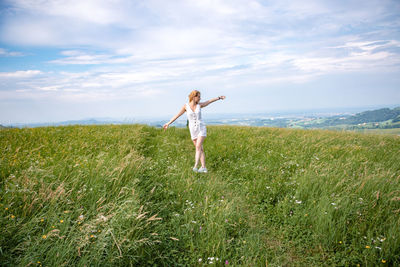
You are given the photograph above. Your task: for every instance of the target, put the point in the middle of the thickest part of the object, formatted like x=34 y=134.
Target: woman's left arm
x=205 y=104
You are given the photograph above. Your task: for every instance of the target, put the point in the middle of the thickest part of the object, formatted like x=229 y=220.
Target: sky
x=76 y=59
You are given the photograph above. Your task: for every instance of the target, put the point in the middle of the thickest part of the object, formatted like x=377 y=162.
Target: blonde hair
x=193 y=94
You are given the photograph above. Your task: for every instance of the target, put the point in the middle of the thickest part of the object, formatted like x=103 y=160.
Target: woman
x=197 y=127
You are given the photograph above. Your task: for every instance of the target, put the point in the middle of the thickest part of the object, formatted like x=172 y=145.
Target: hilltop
x=121 y=195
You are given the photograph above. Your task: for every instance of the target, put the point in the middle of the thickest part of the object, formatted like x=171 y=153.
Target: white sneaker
x=203 y=170
x=195 y=169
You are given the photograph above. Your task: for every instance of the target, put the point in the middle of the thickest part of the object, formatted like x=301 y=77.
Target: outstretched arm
x=183 y=110
x=205 y=104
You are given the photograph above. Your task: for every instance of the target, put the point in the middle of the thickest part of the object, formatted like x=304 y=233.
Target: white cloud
x=6 y=53
x=363 y=61
x=49 y=88
x=20 y=74
x=92 y=11
x=74 y=57
x=121 y=49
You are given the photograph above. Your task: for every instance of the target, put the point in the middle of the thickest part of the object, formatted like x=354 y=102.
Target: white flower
x=298 y=201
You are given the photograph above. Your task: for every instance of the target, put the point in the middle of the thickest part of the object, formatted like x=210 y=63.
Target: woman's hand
x=221 y=97
x=166 y=126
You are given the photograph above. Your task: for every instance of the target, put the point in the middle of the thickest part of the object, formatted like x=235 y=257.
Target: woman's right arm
x=183 y=110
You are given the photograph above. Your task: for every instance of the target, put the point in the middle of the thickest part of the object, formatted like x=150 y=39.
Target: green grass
x=125 y=195
x=393 y=131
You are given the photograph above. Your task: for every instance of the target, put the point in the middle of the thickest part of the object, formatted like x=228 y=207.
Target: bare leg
x=203 y=157
x=200 y=156
x=197 y=155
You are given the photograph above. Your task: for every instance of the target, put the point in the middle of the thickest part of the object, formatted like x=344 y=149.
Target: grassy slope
x=120 y=195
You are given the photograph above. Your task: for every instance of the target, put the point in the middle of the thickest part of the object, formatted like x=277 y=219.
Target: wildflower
x=306 y=215
x=383 y=261
x=200 y=260
x=61 y=221
x=6 y=208
x=333 y=204
x=340 y=242
x=41 y=220
x=44 y=236
x=104 y=219
x=12 y=216
x=298 y=201
x=91 y=236
x=378 y=248
x=226 y=262
x=367 y=247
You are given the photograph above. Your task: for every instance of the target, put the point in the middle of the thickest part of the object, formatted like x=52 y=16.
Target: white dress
x=196 y=125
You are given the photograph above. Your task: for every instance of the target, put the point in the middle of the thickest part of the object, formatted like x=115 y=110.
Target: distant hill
x=382 y=118
x=91 y=121
x=378 y=115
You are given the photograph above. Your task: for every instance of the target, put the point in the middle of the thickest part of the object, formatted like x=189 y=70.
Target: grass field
x=394 y=131
x=125 y=195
